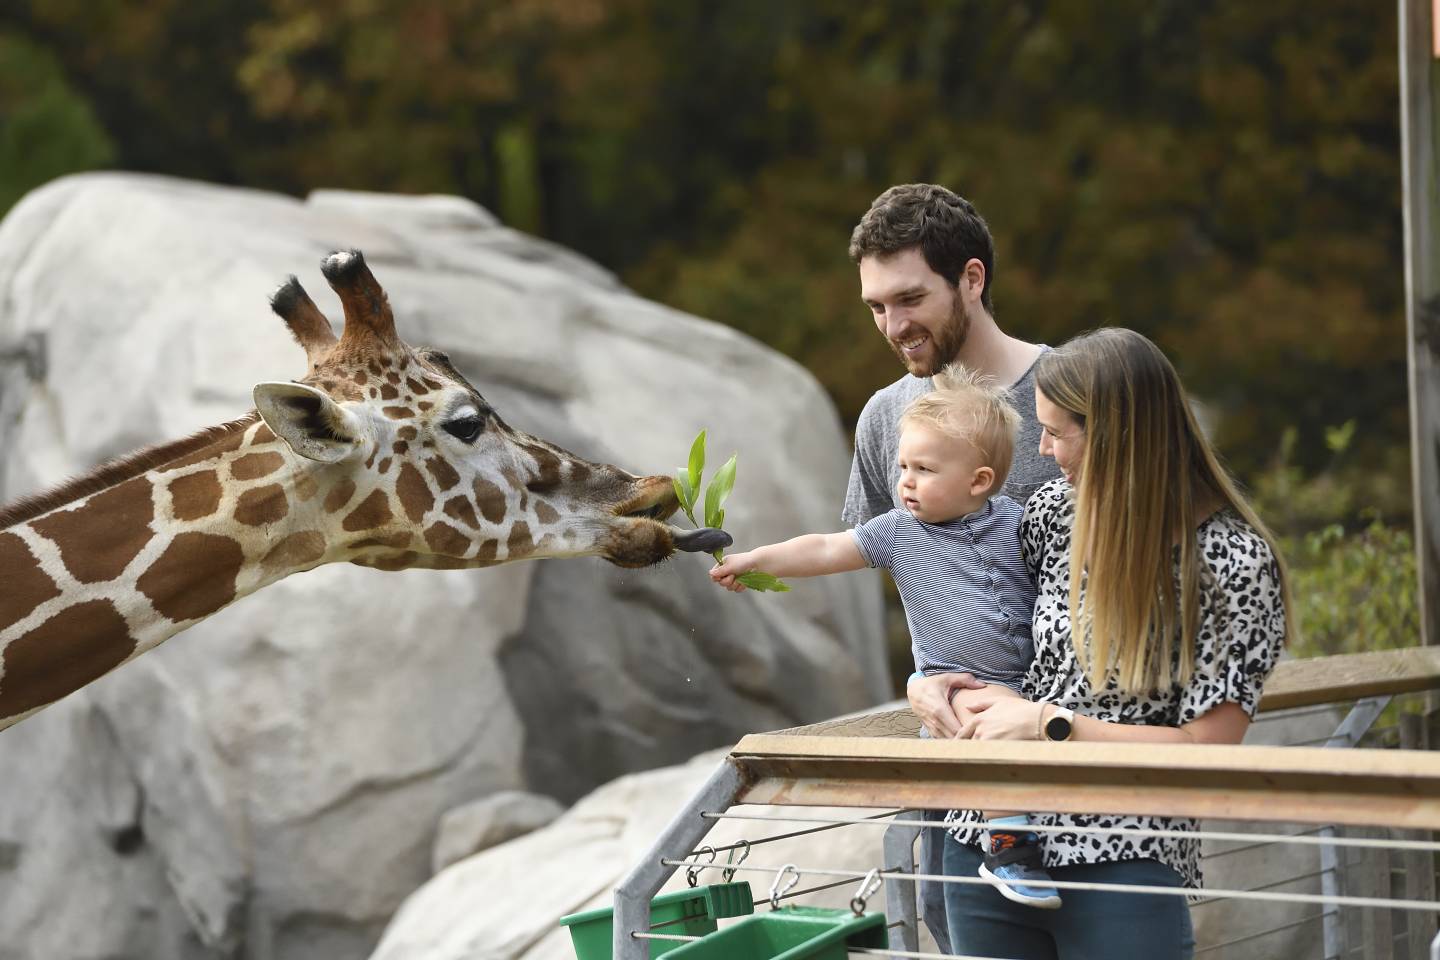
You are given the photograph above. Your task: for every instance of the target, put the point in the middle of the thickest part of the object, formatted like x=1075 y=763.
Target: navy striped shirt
x=968 y=595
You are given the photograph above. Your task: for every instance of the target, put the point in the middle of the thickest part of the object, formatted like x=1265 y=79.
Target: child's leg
x=1013 y=854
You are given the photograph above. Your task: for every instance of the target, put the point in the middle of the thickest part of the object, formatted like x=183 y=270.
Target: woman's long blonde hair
x=1147 y=474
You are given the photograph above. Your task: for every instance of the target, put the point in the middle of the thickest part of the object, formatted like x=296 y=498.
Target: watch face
x=1057 y=728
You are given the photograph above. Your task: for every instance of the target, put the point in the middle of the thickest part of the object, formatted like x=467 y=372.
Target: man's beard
x=945 y=343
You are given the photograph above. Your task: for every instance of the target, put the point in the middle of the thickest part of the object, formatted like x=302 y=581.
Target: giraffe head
x=416 y=469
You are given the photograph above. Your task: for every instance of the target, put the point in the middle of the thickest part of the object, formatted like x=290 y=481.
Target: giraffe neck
x=96 y=582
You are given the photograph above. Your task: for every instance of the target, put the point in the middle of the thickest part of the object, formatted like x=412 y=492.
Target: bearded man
x=926 y=262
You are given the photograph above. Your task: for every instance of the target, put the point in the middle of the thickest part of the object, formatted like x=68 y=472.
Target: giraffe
x=383 y=455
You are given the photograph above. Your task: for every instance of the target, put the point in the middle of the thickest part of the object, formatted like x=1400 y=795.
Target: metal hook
x=869 y=885
x=692 y=874
x=728 y=873
x=777 y=891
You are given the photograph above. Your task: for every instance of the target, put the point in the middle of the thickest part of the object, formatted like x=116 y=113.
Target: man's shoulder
x=897 y=395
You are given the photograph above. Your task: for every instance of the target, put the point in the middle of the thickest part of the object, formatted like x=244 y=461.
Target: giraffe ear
x=314 y=426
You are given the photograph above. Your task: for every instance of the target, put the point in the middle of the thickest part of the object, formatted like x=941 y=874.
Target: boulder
x=268 y=785
x=480 y=825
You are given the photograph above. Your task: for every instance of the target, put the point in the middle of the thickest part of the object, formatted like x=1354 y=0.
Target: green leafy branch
x=687 y=491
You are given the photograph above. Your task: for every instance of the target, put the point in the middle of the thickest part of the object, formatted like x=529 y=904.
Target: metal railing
x=1363 y=881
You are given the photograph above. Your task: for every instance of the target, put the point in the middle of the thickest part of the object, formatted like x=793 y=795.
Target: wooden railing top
x=877 y=760
x=1289 y=784
x=1295 y=683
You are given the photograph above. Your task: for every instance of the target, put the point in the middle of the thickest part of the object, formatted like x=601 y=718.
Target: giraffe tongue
x=704 y=540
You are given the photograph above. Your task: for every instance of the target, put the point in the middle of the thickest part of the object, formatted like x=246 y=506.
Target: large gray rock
x=267 y=786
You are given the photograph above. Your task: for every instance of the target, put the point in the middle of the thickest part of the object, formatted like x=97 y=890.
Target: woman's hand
x=996 y=717
x=930 y=698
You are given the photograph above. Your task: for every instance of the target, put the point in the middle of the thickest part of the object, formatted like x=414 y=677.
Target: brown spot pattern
x=415 y=386
x=253 y=466
x=425 y=405
x=443 y=473
x=432 y=384
x=547 y=466
x=361 y=378
x=376 y=369
x=398 y=562
x=519 y=542
x=387 y=392
x=306 y=487
x=394 y=541
x=545 y=513
x=373 y=511
x=385 y=464
x=445 y=539
x=407 y=433
x=415 y=496
x=79 y=644
x=263 y=435
x=460 y=509
x=398 y=413
x=295 y=551
x=194 y=577
x=226 y=445
x=393 y=377
x=488 y=551
x=195 y=495
x=26 y=585
x=263 y=505
x=490 y=499
x=400 y=448
x=579 y=472
x=339 y=495
x=99 y=539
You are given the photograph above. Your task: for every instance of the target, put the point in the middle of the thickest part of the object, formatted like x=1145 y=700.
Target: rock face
x=268 y=785
x=478 y=826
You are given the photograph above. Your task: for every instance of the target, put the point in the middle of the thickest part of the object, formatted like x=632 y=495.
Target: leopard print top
x=1241 y=632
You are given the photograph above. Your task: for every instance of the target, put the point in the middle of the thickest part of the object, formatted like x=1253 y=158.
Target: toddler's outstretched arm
x=812 y=555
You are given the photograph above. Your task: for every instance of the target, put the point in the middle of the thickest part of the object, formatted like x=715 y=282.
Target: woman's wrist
x=1040 y=719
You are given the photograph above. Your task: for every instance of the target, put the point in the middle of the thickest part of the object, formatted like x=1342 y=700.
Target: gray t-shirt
x=875 y=475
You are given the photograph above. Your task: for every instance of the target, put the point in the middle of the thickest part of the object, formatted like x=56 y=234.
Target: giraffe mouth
x=656 y=511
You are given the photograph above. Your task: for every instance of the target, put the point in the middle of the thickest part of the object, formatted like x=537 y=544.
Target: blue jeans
x=1092 y=925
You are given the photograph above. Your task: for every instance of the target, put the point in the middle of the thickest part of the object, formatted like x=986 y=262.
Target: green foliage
x=1220 y=176
x=1345 y=535
x=687 y=486
x=1355 y=591
x=47 y=129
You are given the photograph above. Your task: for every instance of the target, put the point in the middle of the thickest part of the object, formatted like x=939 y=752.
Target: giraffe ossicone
x=382 y=455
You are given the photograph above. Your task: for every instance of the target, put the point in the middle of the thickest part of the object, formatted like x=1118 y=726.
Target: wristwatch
x=1060 y=725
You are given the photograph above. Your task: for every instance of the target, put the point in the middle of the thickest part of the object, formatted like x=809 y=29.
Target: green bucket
x=689 y=913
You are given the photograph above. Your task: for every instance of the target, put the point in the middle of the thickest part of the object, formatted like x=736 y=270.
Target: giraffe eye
x=465 y=429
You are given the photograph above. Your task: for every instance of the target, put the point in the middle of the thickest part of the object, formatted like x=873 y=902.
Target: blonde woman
x=1161 y=608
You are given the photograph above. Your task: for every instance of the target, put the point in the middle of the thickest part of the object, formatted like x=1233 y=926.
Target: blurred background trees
x=1222 y=176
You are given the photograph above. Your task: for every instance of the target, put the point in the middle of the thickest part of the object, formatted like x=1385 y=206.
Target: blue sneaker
x=1016 y=857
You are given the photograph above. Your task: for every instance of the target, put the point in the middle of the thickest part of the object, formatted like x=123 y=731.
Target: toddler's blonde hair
x=968 y=406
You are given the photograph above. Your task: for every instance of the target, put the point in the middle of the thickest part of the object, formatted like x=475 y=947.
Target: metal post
x=1355 y=725
x=632 y=896
x=899 y=854
x=1418 y=81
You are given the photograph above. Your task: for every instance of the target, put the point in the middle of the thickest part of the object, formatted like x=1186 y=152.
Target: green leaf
x=697 y=463
x=764 y=582
x=684 y=492
x=716 y=493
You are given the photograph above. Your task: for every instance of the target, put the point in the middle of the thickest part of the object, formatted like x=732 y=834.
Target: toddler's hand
x=725 y=572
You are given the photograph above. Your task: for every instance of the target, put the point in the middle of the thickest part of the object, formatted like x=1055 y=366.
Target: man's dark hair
x=944 y=225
